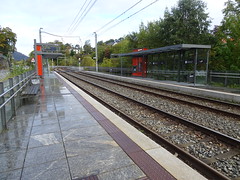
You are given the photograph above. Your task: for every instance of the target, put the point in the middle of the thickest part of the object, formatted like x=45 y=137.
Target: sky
x=72 y=19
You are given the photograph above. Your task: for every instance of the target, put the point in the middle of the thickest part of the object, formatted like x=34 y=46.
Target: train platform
x=65 y=134
x=224 y=94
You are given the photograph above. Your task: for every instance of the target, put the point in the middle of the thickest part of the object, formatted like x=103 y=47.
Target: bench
x=30 y=90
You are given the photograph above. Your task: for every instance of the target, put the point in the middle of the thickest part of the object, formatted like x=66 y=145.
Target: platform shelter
x=43 y=52
x=182 y=62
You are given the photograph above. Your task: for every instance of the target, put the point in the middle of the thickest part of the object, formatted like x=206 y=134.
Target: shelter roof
x=50 y=55
x=49 y=51
x=178 y=47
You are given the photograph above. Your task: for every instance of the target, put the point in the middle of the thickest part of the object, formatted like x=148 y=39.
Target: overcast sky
x=26 y=17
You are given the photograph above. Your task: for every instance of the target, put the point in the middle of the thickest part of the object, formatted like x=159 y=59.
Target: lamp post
x=40 y=36
x=96 y=51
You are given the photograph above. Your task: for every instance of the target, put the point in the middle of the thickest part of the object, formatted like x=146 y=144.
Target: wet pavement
x=53 y=136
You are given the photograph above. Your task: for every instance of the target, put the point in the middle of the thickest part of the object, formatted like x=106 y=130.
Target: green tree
x=109 y=63
x=186 y=23
x=104 y=51
x=150 y=36
x=122 y=47
x=87 y=47
x=228 y=36
x=8 y=40
x=132 y=39
x=87 y=61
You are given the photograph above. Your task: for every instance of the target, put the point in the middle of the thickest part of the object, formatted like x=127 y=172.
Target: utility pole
x=96 y=51
x=40 y=36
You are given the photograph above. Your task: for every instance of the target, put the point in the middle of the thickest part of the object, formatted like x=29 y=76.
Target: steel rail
x=195 y=163
x=227 y=113
x=172 y=91
x=220 y=136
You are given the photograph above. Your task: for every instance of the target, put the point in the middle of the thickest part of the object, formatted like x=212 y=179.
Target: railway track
x=186 y=107
x=226 y=108
x=201 y=146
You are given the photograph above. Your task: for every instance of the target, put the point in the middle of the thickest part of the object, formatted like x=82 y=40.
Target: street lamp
x=40 y=37
x=96 y=51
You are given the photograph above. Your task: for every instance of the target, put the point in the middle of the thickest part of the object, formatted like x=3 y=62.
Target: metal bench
x=31 y=89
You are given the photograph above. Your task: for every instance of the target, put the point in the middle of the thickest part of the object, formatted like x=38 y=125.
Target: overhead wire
x=129 y=17
x=82 y=17
x=77 y=15
x=63 y=36
x=118 y=16
x=59 y=35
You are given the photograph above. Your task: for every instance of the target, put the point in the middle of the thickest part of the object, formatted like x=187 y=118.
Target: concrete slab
x=11 y=175
x=98 y=162
x=89 y=144
x=81 y=133
x=44 y=154
x=44 y=129
x=51 y=170
x=45 y=139
x=12 y=160
x=125 y=173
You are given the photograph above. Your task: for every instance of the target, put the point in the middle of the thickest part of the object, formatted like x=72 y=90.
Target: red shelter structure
x=139 y=64
x=39 y=60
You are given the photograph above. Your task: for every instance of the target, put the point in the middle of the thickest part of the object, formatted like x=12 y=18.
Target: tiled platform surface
x=61 y=136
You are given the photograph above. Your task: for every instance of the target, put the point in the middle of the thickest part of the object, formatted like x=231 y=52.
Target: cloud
x=26 y=17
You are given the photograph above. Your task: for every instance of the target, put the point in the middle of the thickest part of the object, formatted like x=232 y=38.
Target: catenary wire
x=77 y=24
x=118 y=16
x=62 y=36
x=128 y=17
x=77 y=16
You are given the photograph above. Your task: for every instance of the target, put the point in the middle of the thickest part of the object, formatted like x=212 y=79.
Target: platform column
x=38 y=57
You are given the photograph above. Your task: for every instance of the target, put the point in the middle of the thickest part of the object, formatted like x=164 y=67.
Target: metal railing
x=227 y=79
x=10 y=96
x=111 y=70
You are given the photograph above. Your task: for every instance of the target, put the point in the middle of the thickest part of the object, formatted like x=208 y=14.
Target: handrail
x=28 y=77
x=5 y=100
x=15 y=92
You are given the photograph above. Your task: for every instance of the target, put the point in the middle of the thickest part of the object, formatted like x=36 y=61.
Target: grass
x=16 y=70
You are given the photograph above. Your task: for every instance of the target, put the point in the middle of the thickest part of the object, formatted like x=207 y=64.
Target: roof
x=19 y=56
x=49 y=51
x=164 y=49
x=47 y=55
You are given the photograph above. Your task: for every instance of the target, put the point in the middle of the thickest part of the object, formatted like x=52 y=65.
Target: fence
x=111 y=70
x=226 y=79
x=10 y=98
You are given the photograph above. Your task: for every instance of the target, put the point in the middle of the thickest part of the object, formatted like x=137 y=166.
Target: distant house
x=17 y=56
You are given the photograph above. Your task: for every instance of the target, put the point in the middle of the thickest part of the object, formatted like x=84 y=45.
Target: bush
x=87 y=61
